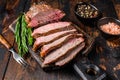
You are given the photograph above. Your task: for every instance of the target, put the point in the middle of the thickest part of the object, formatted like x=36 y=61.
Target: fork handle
x=4 y=42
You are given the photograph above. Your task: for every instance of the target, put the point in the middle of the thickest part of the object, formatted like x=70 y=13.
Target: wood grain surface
x=100 y=55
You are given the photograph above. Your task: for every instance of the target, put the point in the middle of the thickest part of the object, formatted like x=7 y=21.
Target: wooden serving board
x=88 y=41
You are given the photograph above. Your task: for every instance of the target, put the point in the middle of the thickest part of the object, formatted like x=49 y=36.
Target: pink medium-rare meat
x=50 y=28
x=49 y=38
x=35 y=9
x=71 y=55
x=46 y=17
x=56 y=44
x=62 y=51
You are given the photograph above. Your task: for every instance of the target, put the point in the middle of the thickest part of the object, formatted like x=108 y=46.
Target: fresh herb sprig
x=30 y=38
x=23 y=35
x=17 y=34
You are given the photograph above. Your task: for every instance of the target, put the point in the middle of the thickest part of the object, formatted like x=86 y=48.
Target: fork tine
x=19 y=62
x=18 y=58
x=22 y=63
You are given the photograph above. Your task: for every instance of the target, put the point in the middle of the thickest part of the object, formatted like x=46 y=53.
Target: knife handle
x=4 y=42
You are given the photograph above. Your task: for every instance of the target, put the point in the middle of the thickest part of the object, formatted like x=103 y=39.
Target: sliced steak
x=42 y=18
x=49 y=38
x=57 y=43
x=50 y=28
x=70 y=56
x=62 y=51
x=35 y=9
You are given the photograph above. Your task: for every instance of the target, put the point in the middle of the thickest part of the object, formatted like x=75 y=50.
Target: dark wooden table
x=101 y=55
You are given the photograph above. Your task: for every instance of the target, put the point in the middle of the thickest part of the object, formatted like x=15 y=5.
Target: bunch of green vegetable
x=23 y=35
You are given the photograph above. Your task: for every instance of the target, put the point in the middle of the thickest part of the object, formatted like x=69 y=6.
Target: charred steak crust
x=49 y=16
x=57 y=43
x=62 y=51
x=40 y=14
x=49 y=38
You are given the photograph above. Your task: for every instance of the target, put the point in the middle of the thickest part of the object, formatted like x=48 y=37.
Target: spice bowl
x=109 y=27
x=87 y=13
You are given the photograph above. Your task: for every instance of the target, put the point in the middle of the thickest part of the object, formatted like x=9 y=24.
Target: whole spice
x=86 y=11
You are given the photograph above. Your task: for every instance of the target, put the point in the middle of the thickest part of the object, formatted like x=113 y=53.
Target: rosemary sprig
x=30 y=38
x=23 y=35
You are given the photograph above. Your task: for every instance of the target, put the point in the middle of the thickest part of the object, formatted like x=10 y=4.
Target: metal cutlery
x=17 y=57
